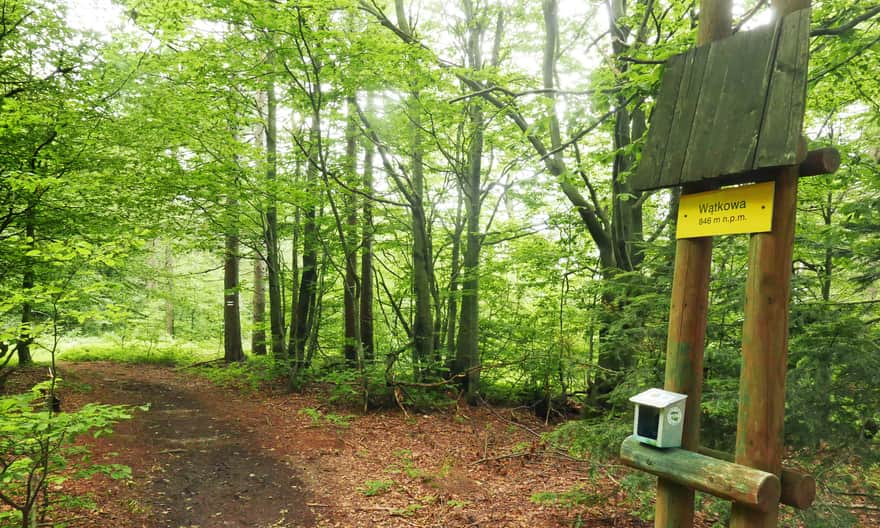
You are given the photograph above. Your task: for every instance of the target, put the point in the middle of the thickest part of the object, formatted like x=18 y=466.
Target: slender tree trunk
x=315 y=312
x=273 y=258
x=294 y=281
x=366 y=301
x=629 y=125
x=468 y=353
x=350 y=288
x=423 y=324
x=258 y=300
x=308 y=282
x=452 y=301
x=232 y=349
x=26 y=331
x=258 y=335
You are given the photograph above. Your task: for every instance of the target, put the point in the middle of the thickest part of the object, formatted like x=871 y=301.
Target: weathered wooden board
x=685 y=110
x=780 y=131
x=731 y=106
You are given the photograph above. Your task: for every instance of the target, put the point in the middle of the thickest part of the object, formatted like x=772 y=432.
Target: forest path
x=194 y=463
x=206 y=456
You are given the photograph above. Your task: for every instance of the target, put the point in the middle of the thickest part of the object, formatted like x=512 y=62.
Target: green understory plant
x=38 y=453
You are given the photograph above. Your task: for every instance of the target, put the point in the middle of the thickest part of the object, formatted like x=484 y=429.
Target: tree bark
x=26 y=331
x=366 y=300
x=350 y=287
x=423 y=324
x=454 y=275
x=273 y=258
x=468 y=352
x=294 y=279
x=828 y=268
x=258 y=335
x=232 y=349
x=305 y=305
x=422 y=266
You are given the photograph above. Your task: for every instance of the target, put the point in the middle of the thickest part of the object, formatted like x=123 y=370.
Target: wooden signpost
x=731 y=112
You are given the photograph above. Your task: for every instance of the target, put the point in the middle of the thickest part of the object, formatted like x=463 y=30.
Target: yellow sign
x=746 y=209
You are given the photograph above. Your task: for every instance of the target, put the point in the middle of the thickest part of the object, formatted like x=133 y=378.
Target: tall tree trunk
x=232 y=350
x=452 y=301
x=26 y=331
x=423 y=324
x=308 y=282
x=273 y=257
x=258 y=334
x=258 y=300
x=366 y=301
x=629 y=126
x=468 y=354
x=294 y=280
x=316 y=309
x=350 y=288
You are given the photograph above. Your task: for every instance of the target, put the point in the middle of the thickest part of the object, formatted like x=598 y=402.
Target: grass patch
x=320 y=417
x=247 y=376
x=165 y=353
x=372 y=488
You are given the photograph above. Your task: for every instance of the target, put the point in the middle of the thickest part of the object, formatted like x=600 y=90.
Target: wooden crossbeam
x=744 y=485
x=816 y=162
x=798 y=487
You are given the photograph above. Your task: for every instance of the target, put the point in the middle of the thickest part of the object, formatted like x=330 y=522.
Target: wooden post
x=765 y=337
x=765 y=347
x=684 y=366
x=687 y=320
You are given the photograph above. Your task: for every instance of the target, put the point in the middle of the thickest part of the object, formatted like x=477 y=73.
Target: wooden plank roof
x=731 y=106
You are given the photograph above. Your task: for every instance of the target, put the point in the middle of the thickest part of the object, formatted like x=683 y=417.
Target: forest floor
x=206 y=456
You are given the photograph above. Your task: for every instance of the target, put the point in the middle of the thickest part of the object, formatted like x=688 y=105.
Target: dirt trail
x=210 y=457
x=194 y=467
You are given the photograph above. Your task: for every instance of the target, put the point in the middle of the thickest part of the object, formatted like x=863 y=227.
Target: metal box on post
x=659 y=417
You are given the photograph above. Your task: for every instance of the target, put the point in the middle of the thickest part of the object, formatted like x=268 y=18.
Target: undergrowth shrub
x=38 y=453
x=591 y=436
x=248 y=376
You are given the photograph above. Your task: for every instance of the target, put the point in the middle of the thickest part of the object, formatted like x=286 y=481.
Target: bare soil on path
x=205 y=457
x=192 y=465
